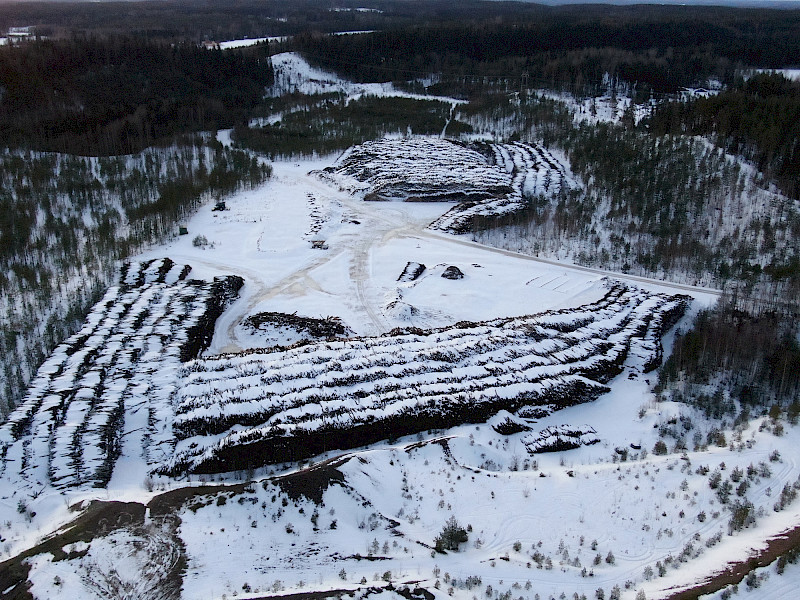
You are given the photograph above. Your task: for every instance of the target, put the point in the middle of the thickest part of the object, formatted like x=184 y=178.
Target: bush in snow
x=742 y=515
x=660 y=448
x=451 y=536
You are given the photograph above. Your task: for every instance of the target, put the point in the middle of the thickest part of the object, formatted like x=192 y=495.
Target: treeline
x=179 y=21
x=66 y=221
x=114 y=95
x=657 y=195
x=730 y=354
x=677 y=208
x=758 y=119
x=329 y=123
x=658 y=48
x=510 y=117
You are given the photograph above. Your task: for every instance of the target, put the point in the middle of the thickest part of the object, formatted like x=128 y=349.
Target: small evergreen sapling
x=451 y=536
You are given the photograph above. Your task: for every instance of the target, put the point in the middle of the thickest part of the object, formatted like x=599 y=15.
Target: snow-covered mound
x=242 y=411
x=485 y=179
x=534 y=172
x=68 y=429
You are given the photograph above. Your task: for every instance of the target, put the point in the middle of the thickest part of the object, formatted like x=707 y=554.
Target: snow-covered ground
x=615 y=511
x=243 y=43
x=793 y=74
x=401 y=493
x=294 y=74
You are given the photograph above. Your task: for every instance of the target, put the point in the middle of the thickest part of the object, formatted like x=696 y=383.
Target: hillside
x=341 y=523
x=510 y=314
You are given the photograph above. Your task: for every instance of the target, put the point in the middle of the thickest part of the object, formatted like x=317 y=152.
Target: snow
x=601 y=500
x=606 y=108
x=770 y=585
x=126 y=563
x=243 y=43
x=264 y=236
x=224 y=137
x=294 y=74
x=382 y=513
x=421 y=169
x=249 y=399
x=793 y=74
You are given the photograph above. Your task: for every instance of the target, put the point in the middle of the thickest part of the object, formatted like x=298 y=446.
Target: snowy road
x=660 y=284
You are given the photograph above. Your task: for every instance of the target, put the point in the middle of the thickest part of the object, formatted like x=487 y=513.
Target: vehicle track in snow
x=379 y=224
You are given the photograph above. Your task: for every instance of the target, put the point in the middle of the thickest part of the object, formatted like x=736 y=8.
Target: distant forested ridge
x=105 y=96
x=659 y=49
x=180 y=21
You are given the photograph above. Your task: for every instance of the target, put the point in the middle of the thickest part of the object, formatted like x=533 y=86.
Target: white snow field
x=505 y=362
x=536 y=520
x=793 y=74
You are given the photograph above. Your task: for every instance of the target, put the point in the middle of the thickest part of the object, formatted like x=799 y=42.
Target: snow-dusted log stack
x=68 y=428
x=560 y=437
x=485 y=179
x=423 y=169
x=242 y=411
x=534 y=172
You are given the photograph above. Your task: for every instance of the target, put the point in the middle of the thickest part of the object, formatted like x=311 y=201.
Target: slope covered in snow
x=644 y=500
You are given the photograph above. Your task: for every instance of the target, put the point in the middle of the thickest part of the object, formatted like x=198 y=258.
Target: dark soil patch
x=312 y=482
x=170 y=502
x=14 y=580
x=101 y=518
x=736 y=572
x=98 y=519
x=309 y=483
